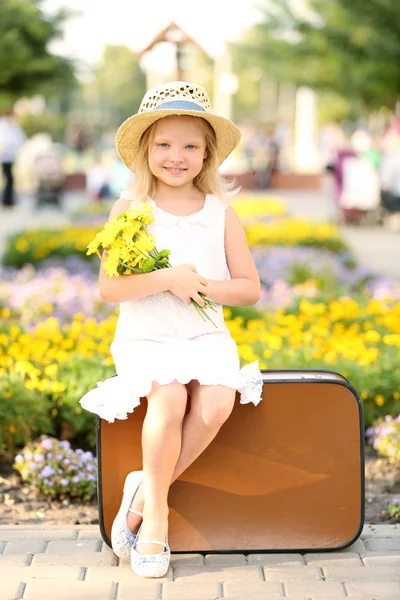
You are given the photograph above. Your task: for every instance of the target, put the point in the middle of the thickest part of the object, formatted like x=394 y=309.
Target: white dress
x=160 y=338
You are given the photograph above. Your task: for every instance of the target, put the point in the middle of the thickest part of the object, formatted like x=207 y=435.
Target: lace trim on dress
x=117 y=396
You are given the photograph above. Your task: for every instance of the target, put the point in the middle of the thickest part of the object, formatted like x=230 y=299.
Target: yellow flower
x=143 y=213
x=144 y=242
x=109 y=233
x=12 y=428
x=130 y=231
x=30 y=385
x=396 y=395
x=57 y=386
x=21 y=245
x=392 y=340
x=51 y=370
x=121 y=247
x=379 y=400
x=372 y=336
x=111 y=264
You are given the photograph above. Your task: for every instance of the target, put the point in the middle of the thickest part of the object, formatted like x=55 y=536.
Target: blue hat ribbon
x=180 y=105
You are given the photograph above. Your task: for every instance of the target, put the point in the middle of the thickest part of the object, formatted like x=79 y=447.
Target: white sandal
x=122 y=537
x=150 y=565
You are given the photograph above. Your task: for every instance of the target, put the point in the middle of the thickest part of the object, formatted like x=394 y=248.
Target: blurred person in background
x=357 y=189
x=97 y=180
x=11 y=139
x=390 y=172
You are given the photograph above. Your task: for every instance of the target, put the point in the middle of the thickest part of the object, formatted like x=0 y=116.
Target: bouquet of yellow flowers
x=131 y=249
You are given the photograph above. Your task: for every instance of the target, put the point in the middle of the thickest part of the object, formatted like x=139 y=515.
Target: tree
x=26 y=65
x=117 y=86
x=349 y=48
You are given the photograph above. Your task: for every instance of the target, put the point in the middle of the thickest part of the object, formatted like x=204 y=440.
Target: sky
x=135 y=23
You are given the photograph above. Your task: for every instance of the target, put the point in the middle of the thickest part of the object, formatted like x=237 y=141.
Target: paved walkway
x=73 y=563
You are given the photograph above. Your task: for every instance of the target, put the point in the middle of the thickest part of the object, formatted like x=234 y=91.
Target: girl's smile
x=174 y=170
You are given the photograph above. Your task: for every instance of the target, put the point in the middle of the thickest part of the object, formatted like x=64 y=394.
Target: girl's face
x=177 y=151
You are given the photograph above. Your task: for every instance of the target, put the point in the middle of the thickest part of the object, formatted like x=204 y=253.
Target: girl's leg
x=210 y=408
x=161 y=445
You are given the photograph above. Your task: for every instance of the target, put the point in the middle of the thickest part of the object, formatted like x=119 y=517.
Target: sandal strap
x=151 y=542
x=137 y=512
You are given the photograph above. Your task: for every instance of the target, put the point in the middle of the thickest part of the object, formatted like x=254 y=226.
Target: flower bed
x=52 y=366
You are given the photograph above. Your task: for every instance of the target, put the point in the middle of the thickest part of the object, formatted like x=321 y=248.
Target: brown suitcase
x=284 y=476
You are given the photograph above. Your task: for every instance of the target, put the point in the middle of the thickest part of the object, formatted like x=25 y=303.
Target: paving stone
x=225 y=560
x=381 y=530
x=69 y=590
x=78 y=546
x=23 y=546
x=218 y=574
x=90 y=534
x=41 y=572
x=314 y=589
x=373 y=589
x=279 y=573
x=121 y=574
x=187 y=560
x=396 y=597
x=291 y=560
x=382 y=544
x=14 y=560
x=7 y=535
x=140 y=590
x=320 y=559
x=351 y=573
x=11 y=589
x=357 y=547
x=105 y=548
x=253 y=591
x=367 y=531
x=185 y=590
x=388 y=559
x=74 y=559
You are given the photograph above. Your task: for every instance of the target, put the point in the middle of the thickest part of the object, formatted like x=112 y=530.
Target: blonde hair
x=208 y=181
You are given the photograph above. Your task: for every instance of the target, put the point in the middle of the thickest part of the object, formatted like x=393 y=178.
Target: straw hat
x=174 y=98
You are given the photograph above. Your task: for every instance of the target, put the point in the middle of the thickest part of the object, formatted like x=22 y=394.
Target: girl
x=162 y=349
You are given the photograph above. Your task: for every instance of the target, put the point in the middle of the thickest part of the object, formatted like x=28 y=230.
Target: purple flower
x=76 y=479
x=39 y=457
x=64 y=482
x=87 y=456
x=47 y=472
x=47 y=444
x=19 y=458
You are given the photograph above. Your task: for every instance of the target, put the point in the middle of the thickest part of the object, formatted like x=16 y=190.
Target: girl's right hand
x=186 y=283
